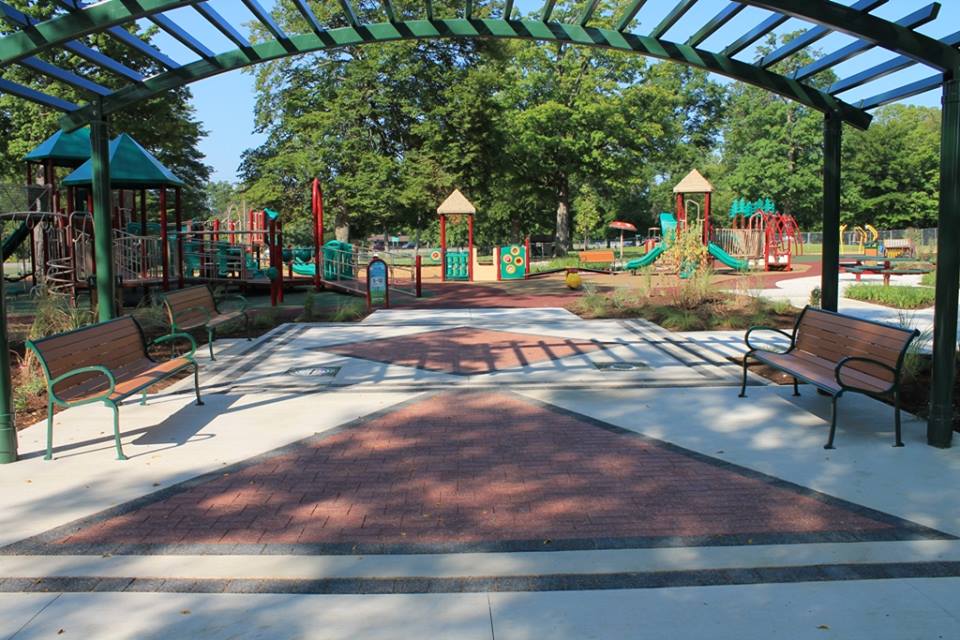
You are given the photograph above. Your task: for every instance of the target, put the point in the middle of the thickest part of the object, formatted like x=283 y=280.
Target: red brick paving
x=466 y=350
x=472 y=468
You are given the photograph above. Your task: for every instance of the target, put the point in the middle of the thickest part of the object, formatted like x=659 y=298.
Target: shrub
x=681 y=320
x=54 y=314
x=592 y=303
x=898 y=297
x=816 y=297
x=915 y=361
x=264 y=318
x=308 y=301
x=696 y=290
x=929 y=279
x=349 y=311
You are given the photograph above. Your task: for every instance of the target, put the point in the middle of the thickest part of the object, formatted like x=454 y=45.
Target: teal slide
x=668 y=231
x=727 y=259
x=646 y=259
x=302 y=268
x=15 y=240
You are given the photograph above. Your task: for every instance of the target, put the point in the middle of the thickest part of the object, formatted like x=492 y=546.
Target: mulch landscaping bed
x=717 y=312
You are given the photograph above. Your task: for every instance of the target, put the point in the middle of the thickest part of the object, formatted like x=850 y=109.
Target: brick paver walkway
x=484 y=468
x=466 y=350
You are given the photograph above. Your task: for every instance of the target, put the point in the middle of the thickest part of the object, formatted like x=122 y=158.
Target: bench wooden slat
x=835 y=347
x=822 y=318
x=97 y=334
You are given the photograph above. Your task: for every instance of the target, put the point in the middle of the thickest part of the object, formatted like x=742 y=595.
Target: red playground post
x=317 y=208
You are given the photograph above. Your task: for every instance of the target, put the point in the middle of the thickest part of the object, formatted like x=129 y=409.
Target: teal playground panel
x=338 y=261
x=457 y=265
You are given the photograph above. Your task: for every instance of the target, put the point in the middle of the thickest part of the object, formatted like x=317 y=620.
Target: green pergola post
x=940 y=423
x=830 y=278
x=102 y=212
x=8 y=430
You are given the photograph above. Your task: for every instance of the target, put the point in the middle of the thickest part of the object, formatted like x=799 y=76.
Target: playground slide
x=16 y=238
x=647 y=259
x=304 y=268
x=727 y=259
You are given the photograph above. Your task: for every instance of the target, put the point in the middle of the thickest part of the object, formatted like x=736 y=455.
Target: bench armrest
x=232 y=297
x=181 y=312
x=177 y=336
x=95 y=368
x=746 y=338
x=837 y=373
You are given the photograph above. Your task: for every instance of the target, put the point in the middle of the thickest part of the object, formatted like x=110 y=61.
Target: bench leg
x=143 y=399
x=196 y=383
x=796 y=390
x=743 y=385
x=896 y=419
x=210 y=342
x=49 y=454
x=833 y=422
x=116 y=431
x=246 y=326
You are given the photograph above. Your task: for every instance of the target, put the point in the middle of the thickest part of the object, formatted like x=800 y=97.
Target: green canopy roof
x=131 y=166
x=70 y=149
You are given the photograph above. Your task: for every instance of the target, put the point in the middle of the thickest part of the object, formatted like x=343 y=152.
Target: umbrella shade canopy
x=131 y=166
x=623 y=226
x=694 y=183
x=456 y=203
x=65 y=149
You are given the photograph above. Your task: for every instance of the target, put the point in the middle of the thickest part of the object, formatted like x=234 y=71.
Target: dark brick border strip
x=901 y=529
x=527 y=583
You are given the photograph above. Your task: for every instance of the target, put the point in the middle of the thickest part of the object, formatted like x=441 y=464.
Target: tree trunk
x=342 y=225
x=561 y=242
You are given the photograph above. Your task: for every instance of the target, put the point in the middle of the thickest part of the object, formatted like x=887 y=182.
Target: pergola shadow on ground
x=32 y=37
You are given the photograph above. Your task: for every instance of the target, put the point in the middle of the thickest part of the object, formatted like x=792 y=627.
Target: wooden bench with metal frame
x=195 y=307
x=837 y=353
x=596 y=256
x=106 y=362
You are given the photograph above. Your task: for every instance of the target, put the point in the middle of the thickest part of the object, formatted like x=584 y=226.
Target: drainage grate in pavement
x=622 y=366
x=314 y=371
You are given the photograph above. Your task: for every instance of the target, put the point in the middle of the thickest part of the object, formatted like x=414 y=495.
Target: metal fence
x=925 y=237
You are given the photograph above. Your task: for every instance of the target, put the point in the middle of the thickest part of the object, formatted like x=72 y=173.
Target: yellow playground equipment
x=866 y=239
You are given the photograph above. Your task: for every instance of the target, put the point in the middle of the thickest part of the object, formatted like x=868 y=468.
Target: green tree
x=891 y=171
x=773 y=146
x=589 y=218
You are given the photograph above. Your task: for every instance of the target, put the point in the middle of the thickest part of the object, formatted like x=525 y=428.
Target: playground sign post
x=378 y=292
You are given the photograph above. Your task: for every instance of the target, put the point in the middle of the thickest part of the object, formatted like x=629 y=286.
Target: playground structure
x=151 y=250
x=759 y=237
x=148 y=250
x=866 y=242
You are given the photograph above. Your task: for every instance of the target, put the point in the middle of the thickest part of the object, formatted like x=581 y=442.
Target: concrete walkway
x=481 y=474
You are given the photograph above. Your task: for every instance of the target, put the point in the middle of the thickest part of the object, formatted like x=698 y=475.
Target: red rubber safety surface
x=472 y=468
x=466 y=350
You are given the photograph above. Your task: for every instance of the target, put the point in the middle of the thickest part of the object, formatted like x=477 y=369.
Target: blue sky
x=225 y=103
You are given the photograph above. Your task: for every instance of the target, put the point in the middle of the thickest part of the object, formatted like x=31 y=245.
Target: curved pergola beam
x=865 y=26
x=333 y=39
x=51 y=33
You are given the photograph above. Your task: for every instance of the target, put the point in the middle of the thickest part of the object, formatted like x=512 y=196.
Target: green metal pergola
x=31 y=40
